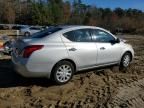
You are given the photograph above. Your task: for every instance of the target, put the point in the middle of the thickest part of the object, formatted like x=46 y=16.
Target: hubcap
x=64 y=73
x=126 y=60
x=27 y=34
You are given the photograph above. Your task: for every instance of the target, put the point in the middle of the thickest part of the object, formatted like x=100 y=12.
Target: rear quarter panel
x=45 y=59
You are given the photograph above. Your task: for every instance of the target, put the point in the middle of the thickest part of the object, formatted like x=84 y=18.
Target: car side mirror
x=115 y=41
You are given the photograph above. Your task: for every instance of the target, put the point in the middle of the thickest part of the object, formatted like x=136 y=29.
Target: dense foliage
x=54 y=12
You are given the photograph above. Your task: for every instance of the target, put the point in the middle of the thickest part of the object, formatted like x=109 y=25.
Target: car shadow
x=9 y=78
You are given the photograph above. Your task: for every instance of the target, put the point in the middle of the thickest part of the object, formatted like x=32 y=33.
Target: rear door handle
x=72 y=49
x=102 y=48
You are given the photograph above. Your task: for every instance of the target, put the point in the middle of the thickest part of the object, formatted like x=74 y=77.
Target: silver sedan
x=59 y=52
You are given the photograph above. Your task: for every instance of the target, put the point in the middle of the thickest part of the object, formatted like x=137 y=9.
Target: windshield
x=46 y=32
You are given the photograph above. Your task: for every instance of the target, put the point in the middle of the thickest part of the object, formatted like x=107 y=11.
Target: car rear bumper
x=21 y=68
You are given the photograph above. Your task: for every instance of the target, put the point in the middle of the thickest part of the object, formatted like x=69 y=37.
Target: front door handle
x=102 y=48
x=72 y=49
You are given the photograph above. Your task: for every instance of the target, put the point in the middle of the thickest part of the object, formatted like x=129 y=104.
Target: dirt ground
x=108 y=88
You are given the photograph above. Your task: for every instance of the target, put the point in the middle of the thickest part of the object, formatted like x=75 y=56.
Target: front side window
x=102 y=36
x=80 y=35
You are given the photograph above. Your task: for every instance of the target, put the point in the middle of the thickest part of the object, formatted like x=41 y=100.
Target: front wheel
x=63 y=72
x=125 y=61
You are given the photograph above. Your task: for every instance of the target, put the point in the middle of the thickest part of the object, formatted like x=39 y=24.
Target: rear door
x=108 y=52
x=80 y=48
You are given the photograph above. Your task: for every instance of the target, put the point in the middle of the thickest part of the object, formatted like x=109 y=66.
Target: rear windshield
x=46 y=32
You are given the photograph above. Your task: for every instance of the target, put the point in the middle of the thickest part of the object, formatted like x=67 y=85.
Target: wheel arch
x=69 y=60
x=129 y=53
x=27 y=32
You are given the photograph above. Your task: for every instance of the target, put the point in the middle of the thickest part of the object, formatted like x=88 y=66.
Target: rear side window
x=81 y=35
x=35 y=28
x=46 y=32
x=18 y=27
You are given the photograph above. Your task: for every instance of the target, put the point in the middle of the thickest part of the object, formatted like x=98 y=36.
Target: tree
x=66 y=11
x=8 y=12
x=55 y=12
x=120 y=12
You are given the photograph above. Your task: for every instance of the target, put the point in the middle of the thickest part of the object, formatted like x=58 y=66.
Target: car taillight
x=30 y=49
x=1 y=46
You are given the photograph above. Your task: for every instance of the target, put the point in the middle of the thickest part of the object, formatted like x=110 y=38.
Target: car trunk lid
x=20 y=44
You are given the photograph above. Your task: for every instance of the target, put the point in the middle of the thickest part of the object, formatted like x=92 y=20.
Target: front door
x=108 y=52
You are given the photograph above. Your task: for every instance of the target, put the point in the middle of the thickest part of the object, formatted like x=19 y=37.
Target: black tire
x=1 y=54
x=55 y=72
x=27 y=34
x=124 y=65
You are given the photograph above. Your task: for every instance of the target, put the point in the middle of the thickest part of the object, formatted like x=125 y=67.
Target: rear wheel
x=27 y=34
x=125 y=61
x=63 y=72
x=1 y=54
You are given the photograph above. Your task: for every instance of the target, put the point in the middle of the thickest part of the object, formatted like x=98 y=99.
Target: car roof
x=72 y=27
x=78 y=26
